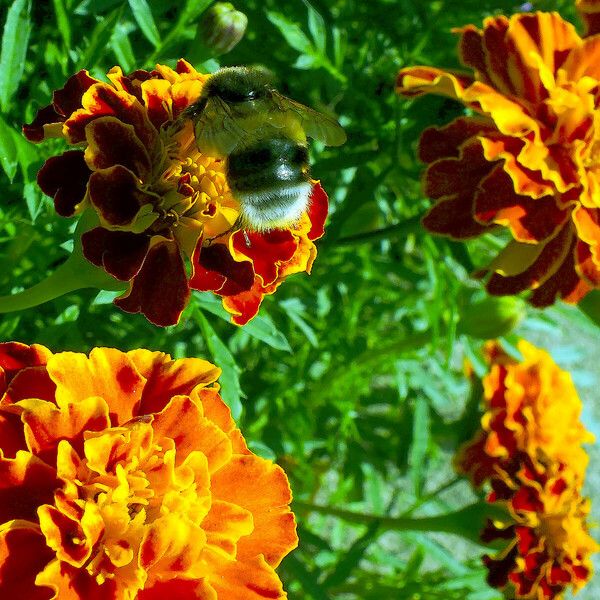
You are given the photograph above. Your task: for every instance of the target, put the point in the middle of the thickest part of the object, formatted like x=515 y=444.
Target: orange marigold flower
x=124 y=476
x=529 y=452
x=527 y=159
x=157 y=198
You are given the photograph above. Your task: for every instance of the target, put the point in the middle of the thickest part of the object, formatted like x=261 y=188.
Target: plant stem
x=466 y=522
x=410 y=225
x=74 y=274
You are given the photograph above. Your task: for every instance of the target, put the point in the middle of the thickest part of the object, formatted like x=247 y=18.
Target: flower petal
x=65 y=179
x=107 y=373
x=117 y=197
x=26 y=482
x=274 y=523
x=251 y=579
x=23 y=553
x=114 y=143
x=119 y=253
x=160 y=291
x=166 y=378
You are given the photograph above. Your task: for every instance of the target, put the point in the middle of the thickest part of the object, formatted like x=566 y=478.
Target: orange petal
x=25 y=483
x=107 y=373
x=218 y=412
x=46 y=424
x=251 y=579
x=166 y=377
x=172 y=547
x=179 y=589
x=23 y=554
x=181 y=421
x=274 y=532
x=225 y=524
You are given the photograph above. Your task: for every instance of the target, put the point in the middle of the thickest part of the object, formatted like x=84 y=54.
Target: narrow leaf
x=420 y=443
x=15 y=38
x=62 y=20
x=292 y=33
x=143 y=15
x=316 y=26
x=8 y=150
x=231 y=391
x=99 y=39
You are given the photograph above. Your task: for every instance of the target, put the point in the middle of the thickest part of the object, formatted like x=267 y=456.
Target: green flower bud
x=221 y=28
x=491 y=317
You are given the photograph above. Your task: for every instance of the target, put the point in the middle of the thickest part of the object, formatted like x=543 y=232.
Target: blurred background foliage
x=351 y=378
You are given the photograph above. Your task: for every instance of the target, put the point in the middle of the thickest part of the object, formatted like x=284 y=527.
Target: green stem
x=466 y=522
x=402 y=229
x=74 y=274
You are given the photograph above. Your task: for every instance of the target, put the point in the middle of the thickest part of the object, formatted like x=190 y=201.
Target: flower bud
x=221 y=28
x=491 y=317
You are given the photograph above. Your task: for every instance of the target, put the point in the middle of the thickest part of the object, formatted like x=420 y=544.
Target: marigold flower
x=527 y=159
x=124 y=476
x=529 y=453
x=158 y=200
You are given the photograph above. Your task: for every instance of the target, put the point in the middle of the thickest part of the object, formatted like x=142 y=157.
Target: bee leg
x=235 y=227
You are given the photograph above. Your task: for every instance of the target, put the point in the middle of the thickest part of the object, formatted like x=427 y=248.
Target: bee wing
x=315 y=124
x=217 y=132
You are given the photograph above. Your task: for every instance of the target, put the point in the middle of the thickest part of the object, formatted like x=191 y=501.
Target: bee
x=262 y=135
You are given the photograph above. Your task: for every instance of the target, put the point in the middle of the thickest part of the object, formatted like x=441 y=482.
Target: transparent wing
x=315 y=124
x=217 y=132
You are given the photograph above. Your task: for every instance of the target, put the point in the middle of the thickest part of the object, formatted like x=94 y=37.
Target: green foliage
x=351 y=378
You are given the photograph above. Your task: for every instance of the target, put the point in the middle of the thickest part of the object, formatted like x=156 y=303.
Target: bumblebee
x=262 y=135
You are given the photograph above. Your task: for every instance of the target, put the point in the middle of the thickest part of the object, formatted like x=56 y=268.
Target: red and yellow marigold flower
x=124 y=476
x=159 y=202
x=527 y=157
x=529 y=452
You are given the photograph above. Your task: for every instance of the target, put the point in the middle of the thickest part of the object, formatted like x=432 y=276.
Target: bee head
x=239 y=84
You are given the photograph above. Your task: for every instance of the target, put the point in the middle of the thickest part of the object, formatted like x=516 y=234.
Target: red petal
x=529 y=219
x=23 y=554
x=267 y=251
x=65 y=179
x=317 y=212
x=31 y=382
x=112 y=142
x=160 y=291
x=106 y=101
x=547 y=262
x=25 y=484
x=12 y=438
x=15 y=356
x=119 y=253
x=215 y=266
x=116 y=194
x=64 y=102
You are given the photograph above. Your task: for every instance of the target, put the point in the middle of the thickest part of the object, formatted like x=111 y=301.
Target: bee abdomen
x=267 y=163
x=270 y=179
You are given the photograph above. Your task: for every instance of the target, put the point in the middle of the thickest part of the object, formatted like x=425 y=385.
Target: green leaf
x=122 y=47
x=352 y=556
x=263 y=328
x=420 y=443
x=292 y=33
x=8 y=150
x=231 y=392
x=143 y=15
x=62 y=20
x=15 y=38
x=34 y=199
x=316 y=26
x=99 y=39
x=260 y=327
